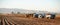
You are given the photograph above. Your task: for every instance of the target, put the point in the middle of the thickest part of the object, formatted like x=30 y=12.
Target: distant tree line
x=15 y=13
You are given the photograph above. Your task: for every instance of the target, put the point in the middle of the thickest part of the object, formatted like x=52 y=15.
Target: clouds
x=43 y=5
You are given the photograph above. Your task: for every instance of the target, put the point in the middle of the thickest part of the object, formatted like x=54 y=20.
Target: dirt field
x=32 y=21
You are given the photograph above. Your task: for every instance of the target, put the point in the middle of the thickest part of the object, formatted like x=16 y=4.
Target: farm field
x=20 y=20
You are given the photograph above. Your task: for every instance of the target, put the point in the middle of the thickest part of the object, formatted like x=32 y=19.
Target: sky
x=42 y=5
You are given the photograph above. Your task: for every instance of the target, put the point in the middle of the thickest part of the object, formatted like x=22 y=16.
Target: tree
x=12 y=12
x=18 y=12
